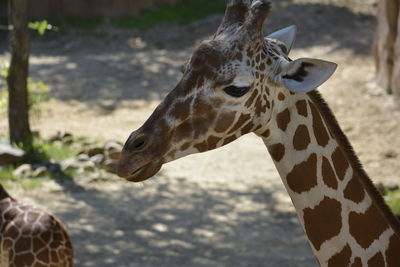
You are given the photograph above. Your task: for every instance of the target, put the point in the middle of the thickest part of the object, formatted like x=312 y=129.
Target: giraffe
x=240 y=82
x=31 y=237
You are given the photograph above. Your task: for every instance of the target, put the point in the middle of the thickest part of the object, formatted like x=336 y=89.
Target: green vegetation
x=44 y=150
x=38 y=91
x=391 y=196
x=394 y=202
x=7 y=179
x=41 y=151
x=30 y=184
x=6 y=174
x=41 y=26
x=184 y=12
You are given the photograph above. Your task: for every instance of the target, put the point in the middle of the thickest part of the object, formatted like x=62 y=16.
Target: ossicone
x=259 y=11
x=248 y=14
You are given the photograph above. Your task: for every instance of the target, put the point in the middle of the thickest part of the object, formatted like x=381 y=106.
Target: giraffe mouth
x=144 y=173
x=136 y=169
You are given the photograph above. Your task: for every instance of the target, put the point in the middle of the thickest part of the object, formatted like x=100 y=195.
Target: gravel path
x=222 y=208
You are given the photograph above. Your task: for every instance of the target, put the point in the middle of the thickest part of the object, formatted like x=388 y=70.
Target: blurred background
x=97 y=69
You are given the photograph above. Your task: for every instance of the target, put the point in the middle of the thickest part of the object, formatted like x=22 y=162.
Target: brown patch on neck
x=323 y=222
x=283 y=119
x=340 y=163
x=303 y=176
x=277 y=151
x=392 y=253
x=301 y=138
x=348 y=152
x=357 y=262
x=377 y=260
x=342 y=258
x=367 y=227
x=319 y=128
x=354 y=191
x=328 y=175
x=301 y=106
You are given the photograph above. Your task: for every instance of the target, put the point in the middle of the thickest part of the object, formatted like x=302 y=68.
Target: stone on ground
x=11 y=155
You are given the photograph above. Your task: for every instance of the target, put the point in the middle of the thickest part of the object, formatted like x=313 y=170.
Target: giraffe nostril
x=137 y=144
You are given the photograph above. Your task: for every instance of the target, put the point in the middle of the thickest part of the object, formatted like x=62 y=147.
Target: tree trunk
x=18 y=107
x=387 y=46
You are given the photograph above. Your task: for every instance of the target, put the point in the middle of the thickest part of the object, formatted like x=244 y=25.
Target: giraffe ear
x=305 y=74
x=286 y=35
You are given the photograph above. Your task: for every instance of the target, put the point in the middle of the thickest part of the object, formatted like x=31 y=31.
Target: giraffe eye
x=236 y=91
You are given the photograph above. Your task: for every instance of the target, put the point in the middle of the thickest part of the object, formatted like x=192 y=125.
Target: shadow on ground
x=180 y=223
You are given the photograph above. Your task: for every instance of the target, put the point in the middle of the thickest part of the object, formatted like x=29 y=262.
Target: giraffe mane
x=351 y=156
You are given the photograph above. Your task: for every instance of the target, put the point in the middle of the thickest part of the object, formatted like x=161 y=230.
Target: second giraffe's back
x=30 y=236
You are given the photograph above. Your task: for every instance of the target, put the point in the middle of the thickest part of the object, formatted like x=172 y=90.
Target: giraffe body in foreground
x=30 y=236
x=240 y=82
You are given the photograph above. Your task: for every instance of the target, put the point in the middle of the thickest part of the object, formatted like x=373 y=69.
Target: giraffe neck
x=345 y=219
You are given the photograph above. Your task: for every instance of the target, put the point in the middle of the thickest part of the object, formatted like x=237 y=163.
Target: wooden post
x=18 y=108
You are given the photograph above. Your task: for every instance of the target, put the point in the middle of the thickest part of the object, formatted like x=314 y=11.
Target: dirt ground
x=222 y=208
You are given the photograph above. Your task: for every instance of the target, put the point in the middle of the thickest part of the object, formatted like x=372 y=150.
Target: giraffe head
x=229 y=88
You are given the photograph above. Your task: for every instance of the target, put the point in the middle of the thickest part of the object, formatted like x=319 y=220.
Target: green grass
x=57 y=151
x=8 y=180
x=43 y=150
x=393 y=200
x=30 y=184
x=184 y=12
x=391 y=196
x=6 y=174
